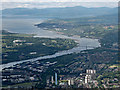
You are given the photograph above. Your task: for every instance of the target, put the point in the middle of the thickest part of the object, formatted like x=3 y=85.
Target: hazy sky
x=60 y=0
x=57 y=3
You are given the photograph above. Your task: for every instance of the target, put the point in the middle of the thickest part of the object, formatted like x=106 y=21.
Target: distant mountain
x=102 y=19
x=67 y=12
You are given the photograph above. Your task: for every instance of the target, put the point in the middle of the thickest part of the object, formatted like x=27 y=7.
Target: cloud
x=60 y=1
x=41 y=5
x=23 y=6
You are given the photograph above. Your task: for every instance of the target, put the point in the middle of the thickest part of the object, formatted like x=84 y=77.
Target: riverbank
x=85 y=28
x=84 y=43
x=17 y=47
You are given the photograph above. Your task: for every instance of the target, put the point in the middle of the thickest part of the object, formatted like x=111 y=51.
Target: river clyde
x=27 y=26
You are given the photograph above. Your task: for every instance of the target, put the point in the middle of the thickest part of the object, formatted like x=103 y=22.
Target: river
x=27 y=26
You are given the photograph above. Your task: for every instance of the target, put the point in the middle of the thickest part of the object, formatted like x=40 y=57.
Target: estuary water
x=27 y=26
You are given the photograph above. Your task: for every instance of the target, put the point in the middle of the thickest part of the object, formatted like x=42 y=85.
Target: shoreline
x=57 y=54
x=60 y=53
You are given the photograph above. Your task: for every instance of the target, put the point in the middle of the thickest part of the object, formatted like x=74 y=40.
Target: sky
x=57 y=3
x=60 y=0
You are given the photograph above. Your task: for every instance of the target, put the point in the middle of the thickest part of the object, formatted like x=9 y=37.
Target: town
x=60 y=45
x=31 y=72
x=51 y=74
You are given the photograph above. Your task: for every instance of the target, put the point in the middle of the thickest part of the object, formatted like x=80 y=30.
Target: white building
x=90 y=75
x=52 y=80
x=69 y=82
x=16 y=41
x=89 y=71
x=72 y=82
x=87 y=78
